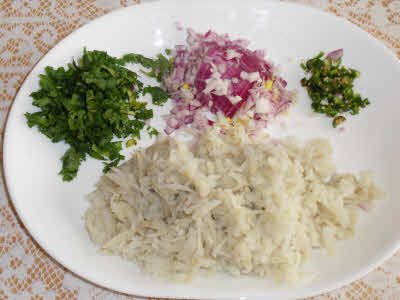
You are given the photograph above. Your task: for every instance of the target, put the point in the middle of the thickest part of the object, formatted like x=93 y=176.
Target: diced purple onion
x=335 y=55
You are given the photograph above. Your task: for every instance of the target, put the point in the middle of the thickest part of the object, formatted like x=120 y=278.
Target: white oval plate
x=52 y=210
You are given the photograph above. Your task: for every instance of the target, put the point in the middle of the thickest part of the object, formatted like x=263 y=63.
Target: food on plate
x=92 y=101
x=330 y=86
x=230 y=199
x=227 y=202
x=216 y=74
x=159 y=67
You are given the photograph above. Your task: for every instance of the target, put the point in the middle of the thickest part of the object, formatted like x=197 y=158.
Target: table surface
x=28 y=29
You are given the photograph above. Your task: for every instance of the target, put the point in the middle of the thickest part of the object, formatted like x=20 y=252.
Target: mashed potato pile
x=227 y=203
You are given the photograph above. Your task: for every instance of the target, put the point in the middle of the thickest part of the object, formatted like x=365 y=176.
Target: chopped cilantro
x=159 y=96
x=152 y=131
x=91 y=102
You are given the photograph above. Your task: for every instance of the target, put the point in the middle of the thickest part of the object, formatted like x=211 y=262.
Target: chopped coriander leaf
x=152 y=131
x=90 y=102
x=330 y=87
x=159 y=96
x=159 y=67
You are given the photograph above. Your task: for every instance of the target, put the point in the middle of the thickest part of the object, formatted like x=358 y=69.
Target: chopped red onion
x=188 y=120
x=335 y=55
x=215 y=78
x=168 y=130
x=179 y=25
x=173 y=123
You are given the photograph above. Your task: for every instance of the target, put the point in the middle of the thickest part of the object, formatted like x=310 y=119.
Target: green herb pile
x=91 y=102
x=330 y=87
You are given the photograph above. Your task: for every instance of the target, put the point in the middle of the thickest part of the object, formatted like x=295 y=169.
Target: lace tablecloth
x=28 y=29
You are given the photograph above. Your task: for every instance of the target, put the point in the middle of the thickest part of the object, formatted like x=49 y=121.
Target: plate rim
x=60 y=262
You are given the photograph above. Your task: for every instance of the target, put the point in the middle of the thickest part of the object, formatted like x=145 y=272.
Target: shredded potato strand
x=228 y=203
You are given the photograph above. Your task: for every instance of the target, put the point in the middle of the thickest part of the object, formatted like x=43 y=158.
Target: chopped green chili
x=330 y=87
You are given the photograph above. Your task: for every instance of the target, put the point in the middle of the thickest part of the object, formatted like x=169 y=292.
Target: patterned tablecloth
x=28 y=29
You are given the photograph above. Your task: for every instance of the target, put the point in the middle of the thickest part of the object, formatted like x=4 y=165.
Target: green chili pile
x=330 y=87
x=91 y=102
